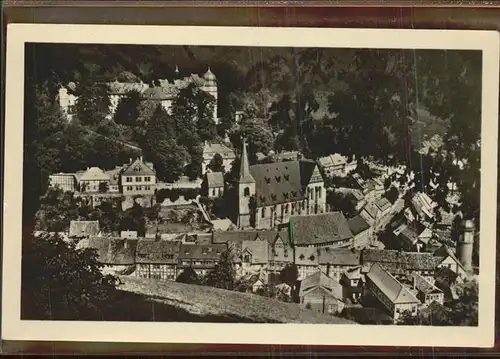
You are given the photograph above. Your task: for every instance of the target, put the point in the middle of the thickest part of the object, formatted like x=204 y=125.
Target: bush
x=173 y=194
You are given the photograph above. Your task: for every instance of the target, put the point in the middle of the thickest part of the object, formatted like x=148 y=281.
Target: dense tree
x=188 y=275
x=216 y=164
x=224 y=273
x=127 y=111
x=61 y=282
x=92 y=105
x=258 y=136
x=290 y=276
x=392 y=194
x=339 y=201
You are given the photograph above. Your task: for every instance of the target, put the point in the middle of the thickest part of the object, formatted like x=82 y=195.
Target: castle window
x=246 y=192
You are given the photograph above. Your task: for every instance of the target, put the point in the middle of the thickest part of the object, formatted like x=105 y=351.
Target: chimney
x=125 y=243
x=130 y=160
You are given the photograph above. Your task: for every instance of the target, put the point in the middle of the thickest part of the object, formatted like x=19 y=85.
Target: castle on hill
x=164 y=92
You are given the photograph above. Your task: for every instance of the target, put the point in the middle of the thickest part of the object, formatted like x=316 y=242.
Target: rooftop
x=258 y=250
x=157 y=251
x=398 y=262
x=114 y=251
x=423 y=285
x=94 y=174
x=321 y=280
x=320 y=228
x=201 y=251
x=215 y=179
x=357 y=225
x=210 y=149
x=83 y=228
x=339 y=256
x=138 y=168
x=383 y=204
x=390 y=286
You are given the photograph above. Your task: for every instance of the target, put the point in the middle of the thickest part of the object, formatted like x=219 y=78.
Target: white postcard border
x=306 y=334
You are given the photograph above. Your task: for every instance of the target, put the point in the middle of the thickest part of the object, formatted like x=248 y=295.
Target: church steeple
x=245 y=175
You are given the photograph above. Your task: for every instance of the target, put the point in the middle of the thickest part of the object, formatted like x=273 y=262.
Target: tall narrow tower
x=465 y=244
x=246 y=189
x=210 y=86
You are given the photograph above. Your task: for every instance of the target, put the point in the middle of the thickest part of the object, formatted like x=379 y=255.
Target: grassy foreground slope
x=221 y=305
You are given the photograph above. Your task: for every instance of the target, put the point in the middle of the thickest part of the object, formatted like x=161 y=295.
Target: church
x=268 y=194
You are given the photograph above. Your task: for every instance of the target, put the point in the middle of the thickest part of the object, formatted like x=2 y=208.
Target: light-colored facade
x=138 y=178
x=211 y=149
x=64 y=181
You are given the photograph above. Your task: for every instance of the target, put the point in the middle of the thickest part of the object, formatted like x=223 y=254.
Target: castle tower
x=210 y=86
x=246 y=189
x=465 y=245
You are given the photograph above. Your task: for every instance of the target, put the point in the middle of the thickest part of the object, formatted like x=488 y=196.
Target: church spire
x=245 y=175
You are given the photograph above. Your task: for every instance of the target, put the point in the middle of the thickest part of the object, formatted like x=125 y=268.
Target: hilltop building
x=165 y=93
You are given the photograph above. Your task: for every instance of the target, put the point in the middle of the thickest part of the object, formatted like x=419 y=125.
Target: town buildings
x=213 y=184
x=321 y=294
x=65 y=181
x=336 y=165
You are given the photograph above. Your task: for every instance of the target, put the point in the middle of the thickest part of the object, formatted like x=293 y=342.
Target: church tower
x=465 y=245
x=210 y=87
x=177 y=74
x=246 y=189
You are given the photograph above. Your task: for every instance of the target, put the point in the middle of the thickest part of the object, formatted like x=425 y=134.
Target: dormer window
x=287 y=177
x=278 y=179
x=273 y=196
x=311 y=258
x=268 y=180
x=301 y=257
x=285 y=194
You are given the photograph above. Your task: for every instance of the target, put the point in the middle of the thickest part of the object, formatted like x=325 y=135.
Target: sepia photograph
x=245 y=183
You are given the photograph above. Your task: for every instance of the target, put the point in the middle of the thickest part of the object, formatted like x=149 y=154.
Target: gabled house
x=424 y=207
x=280 y=251
x=427 y=291
x=352 y=281
x=335 y=261
x=254 y=255
x=117 y=255
x=211 y=149
x=361 y=231
x=447 y=258
x=371 y=214
x=214 y=184
x=157 y=259
x=201 y=257
x=306 y=260
x=321 y=294
x=393 y=295
x=321 y=230
x=383 y=206
x=92 y=180
x=414 y=237
x=357 y=198
x=138 y=178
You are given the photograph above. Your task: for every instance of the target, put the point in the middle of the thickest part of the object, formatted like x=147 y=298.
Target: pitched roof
x=114 y=251
x=221 y=224
x=357 y=225
x=320 y=280
x=444 y=251
x=268 y=236
x=138 y=168
x=320 y=228
x=94 y=174
x=277 y=182
x=258 y=250
x=201 y=251
x=210 y=149
x=390 y=286
x=411 y=232
x=152 y=251
x=398 y=262
x=215 y=179
x=356 y=194
x=114 y=176
x=371 y=209
x=423 y=285
x=121 y=88
x=383 y=204
x=158 y=93
x=339 y=256
x=83 y=228
x=423 y=204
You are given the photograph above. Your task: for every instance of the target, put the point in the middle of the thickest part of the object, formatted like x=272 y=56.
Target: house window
x=147 y=188
x=246 y=192
x=246 y=258
x=138 y=179
x=147 y=179
x=286 y=208
x=139 y=188
x=319 y=192
x=263 y=212
x=129 y=188
x=213 y=192
x=128 y=179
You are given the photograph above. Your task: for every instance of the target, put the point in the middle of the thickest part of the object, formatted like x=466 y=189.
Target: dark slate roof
x=320 y=228
x=444 y=251
x=201 y=251
x=398 y=262
x=268 y=236
x=445 y=275
x=153 y=251
x=114 y=251
x=259 y=251
x=138 y=168
x=278 y=182
x=215 y=179
x=357 y=225
x=339 y=256
x=83 y=228
x=320 y=280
